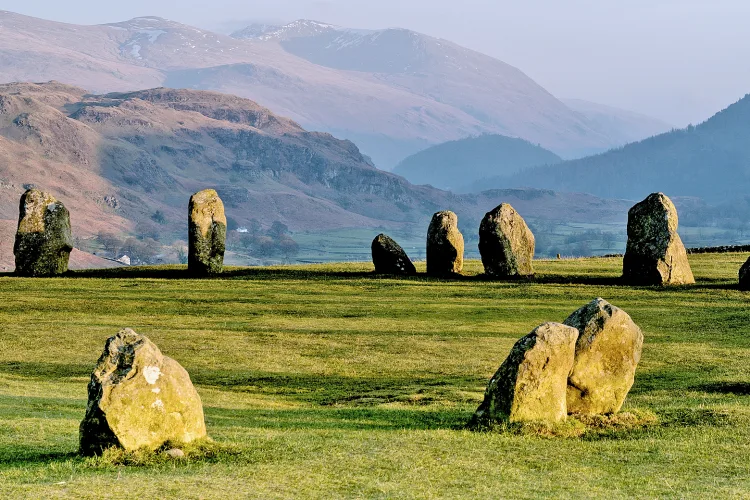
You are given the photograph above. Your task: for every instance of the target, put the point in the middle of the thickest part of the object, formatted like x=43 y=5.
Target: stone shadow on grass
x=361 y=392
x=335 y=419
x=735 y=388
x=46 y=371
x=177 y=272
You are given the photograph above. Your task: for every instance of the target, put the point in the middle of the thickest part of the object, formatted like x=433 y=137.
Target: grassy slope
x=335 y=384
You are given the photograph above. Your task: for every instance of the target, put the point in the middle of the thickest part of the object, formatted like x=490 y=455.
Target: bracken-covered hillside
x=117 y=160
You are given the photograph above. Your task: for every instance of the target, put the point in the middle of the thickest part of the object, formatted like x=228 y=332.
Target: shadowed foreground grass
x=324 y=381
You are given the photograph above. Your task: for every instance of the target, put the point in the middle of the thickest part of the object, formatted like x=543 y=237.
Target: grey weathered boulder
x=43 y=240
x=390 y=258
x=506 y=244
x=531 y=383
x=139 y=398
x=745 y=276
x=655 y=254
x=207 y=233
x=445 y=245
x=607 y=354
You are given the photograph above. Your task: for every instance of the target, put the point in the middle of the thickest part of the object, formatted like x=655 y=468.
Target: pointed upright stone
x=607 y=354
x=43 y=240
x=389 y=258
x=445 y=245
x=655 y=254
x=506 y=244
x=531 y=384
x=207 y=232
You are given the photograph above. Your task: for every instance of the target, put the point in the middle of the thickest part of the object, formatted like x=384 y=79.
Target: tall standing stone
x=139 y=398
x=389 y=258
x=445 y=245
x=531 y=383
x=43 y=240
x=506 y=244
x=607 y=354
x=745 y=276
x=655 y=254
x=207 y=232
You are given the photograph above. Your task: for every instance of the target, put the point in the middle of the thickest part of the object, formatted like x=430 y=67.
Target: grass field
x=326 y=382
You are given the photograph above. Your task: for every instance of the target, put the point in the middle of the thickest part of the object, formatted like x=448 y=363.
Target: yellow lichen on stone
x=206 y=208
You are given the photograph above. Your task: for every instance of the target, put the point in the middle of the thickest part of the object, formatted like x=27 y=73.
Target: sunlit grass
x=325 y=381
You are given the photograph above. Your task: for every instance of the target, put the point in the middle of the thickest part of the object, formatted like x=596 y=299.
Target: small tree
x=265 y=246
x=288 y=247
x=182 y=255
x=254 y=228
x=158 y=217
x=109 y=241
x=278 y=230
x=147 y=230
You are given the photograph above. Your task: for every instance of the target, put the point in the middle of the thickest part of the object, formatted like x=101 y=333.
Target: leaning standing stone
x=207 y=232
x=445 y=245
x=390 y=258
x=607 y=354
x=745 y=276
x=139 y=398
x=506 y=244
x=43 y=240
x=531 y=383
x=655 y=254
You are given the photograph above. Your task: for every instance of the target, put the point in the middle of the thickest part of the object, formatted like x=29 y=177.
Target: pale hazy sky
x=679 y=60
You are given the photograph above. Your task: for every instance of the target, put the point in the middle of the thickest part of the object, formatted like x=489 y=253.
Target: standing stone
x=445 y=245
x=506 y=244
x=390 y=258
x=745 y=276
x=655 y=254
x=531 y=383
x=43 y=240
x=207 y=233
x=139 y=398
x=607 y=354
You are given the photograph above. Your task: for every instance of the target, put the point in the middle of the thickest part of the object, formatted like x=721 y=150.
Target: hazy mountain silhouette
x=456 y=165
x=394 y=91
x=710 y=161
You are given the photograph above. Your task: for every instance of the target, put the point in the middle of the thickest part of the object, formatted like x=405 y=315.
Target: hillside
x=345 y=82
x=616 y=122
x=127 y=163
x=455 y=165
x=709 y=161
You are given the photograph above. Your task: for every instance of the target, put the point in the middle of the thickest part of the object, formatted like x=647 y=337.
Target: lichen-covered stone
x=607 y=354
x=655 y=254
x=506 y=244
x=390 y=258
x=43 y=240
x=207 y=233
x=445 y=245
x=139 y=398
x=531 y=384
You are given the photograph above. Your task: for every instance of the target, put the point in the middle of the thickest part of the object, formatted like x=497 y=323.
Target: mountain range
x=118 y=160
x=393 y=92
x=710 y=161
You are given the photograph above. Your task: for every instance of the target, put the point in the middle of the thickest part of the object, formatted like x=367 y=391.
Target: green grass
x=324 y=381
